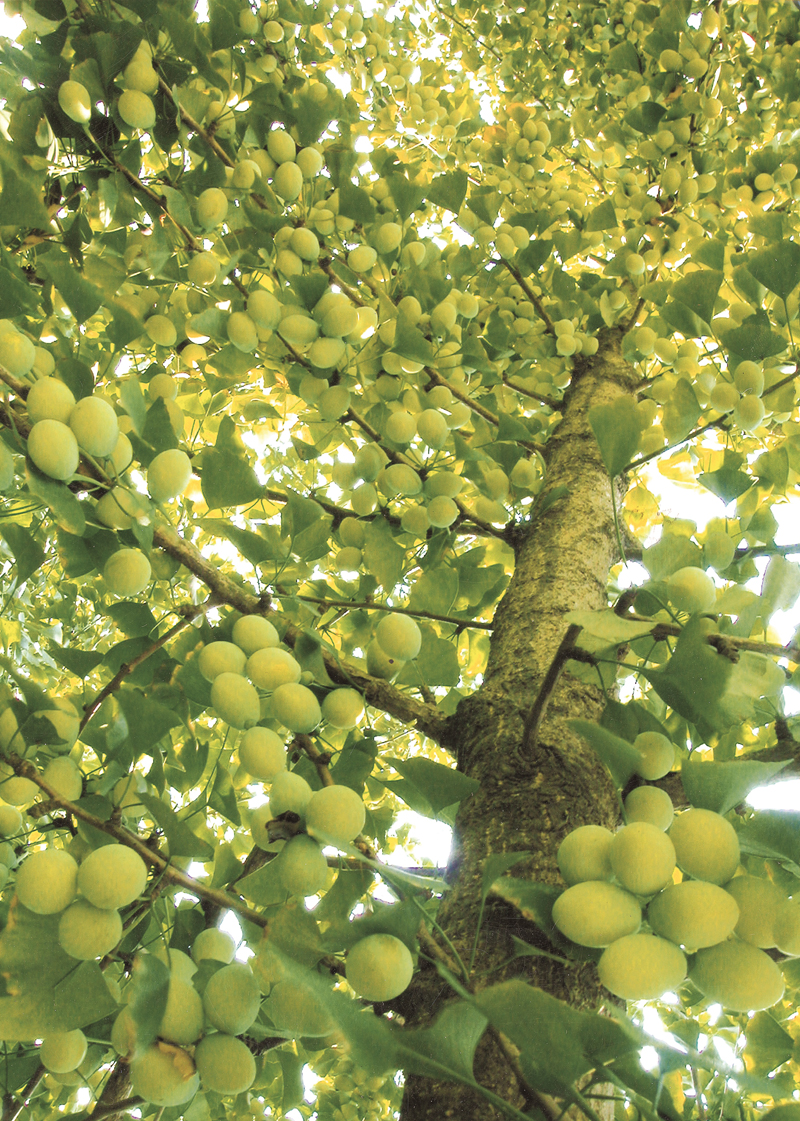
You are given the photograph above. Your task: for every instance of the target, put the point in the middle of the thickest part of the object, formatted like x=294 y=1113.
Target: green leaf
x=148 y=997
x=495 y=866
x=617 y=429
x=66 y=508
x=28 y=553
x=622 y=58
x=777 y=267
x=228 y=480
x=440 y=786
x=671 y=552
x=681 y=411
x=621 y=758
x=722 y=786
x=773 y=834
x=604 y=216
x=608 y=625
x=407 y=196
x=698 y=291
x=158 y=431
x=79 y=662
x=292 y=1067
x=447 y=1048
x=252 y=546
x=696 y=678
x=409 y=342
x=646 y=117
x=133 y=402
x=81 y=297
x=223 y=796
x=383 y=557
x=435 y=591
x=180 y=838
x=354 y=202
x=768 y=1045
x=21 y=200
x=649 y=1093
x=436 y=663
x=16 y=297
x=754 y=340
x=449 y=190
x=726 y=483
x=148 y=721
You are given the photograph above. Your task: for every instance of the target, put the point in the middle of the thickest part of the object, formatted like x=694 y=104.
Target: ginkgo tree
x=339 y=345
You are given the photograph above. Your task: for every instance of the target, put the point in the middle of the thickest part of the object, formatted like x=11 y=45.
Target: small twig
x=325 y=264
x=362 y=606
x=119 y=1107
x=320 y=760
x=13 y=1104
x=566 y=650
x=529 y=292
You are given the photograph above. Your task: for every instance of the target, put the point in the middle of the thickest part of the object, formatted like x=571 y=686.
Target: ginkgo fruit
x=164 y=1075
x=182 y=1021
x=596 y=913
x=302 y=867
x=643 y=858
x=262 y=753
x=584 y=854
x=112 y=876
x=658 y=755
x=49 y=399
x=73 y=97
x=203 y=269
x=136 y=109
x=225 y=1065
x=759 y=901
x=161 y=330
x=641 y=967
x=221 y=657
x=651 y=804
x=231 y=998
x=786 y=928
x=295 y=1008
x=53 y=449
x=399 y=637
x=86 y=932
x=95 y=426
x=47 y=881
x=212 y=208
x=270 y=667
x=290 y=793
x=63 y=1051
x=168 y=475
x=738 y=976
x=694 y=914
x=706 y=845
x=127 y=572
x=296 y=707
x=343 y=708
x=235 y=700
x=288 y=181
x=10 y=821
x=253 y=632
x=213 y=944
x=335 y=815
x=65 y=777
x=379 y=967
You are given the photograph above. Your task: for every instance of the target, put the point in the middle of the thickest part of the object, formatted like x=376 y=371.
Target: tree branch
x=13 y=1104
x=385 y=607
x=565 y=651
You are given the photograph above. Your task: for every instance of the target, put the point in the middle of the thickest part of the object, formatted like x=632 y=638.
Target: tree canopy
x=340 y=349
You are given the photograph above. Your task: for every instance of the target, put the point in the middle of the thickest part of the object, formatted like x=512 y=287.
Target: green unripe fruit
x=691 y=590
x=63 y=1051
x=362 y=259
x=235 y=700
x=658 y=755
x=634 y=263
x=168 y=475
x=651 y=804
x=112 y=876
x=432 y=428
x=212 y=208
x=738 y=976
x=719 y=550
x=182 y=1021
x=694 y=914
x=364 y=500
x=670 y=60
x=17 y=352
x=290 y=793
x=119 y=508
x=288 y=181
x=749 y=413
x=260 y=818
x=786 y=928
x=442 y=511
x=161 y=330
x=213 y=944
x=324 y=354
x=643 y=858
x=349 y=560
x=401 y=427
x=122 y=455
x=10 y=821
x=296 y=708
x=47 y=881
x=335 y=815
x=310 y=162
x=136 y=109
x=379 y=967
x=333 y=402
x=127 y=572
x=445 y=484
x=224 y=1064
x=759 y=901
x=724 y=397
x=294 y=1008
x=341 y=319
x=164 y=1075
x=343 y=708
x=242 y=332
x=221 y=657
x=86 y=932
x=402 y=480
x=749 y=378
x=245 y=174
x=252 y=632
x=399 y=637
x=304 y=243
x=641 y=967
x=50 y=399
x=596 y=913
x=203 y=269
x=706 y=845
x=262 y=754
x=388 y=237
x=270 y=667
x=379 y=663
x=368 y=464
x=180 y=965
x=351 y=533
x=65 y=778
x=140 y=75
x=584 y=854
x=73 y=97
x=232 y=999
x=299 y=330
x=53 y=449
x=281 y=146
x=264 y=310
x=94 y=423
x=302 y=868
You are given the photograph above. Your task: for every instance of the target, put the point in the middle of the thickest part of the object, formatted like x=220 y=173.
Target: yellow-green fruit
x=335 y=815
x=235 y=700
x=140 y=75
x=231 y=999
x=643 y=858
x=380 y=664
x=65 y=778
x=164 y=1075
x=304 y=243
x=691 y=590
x=242 y=331
x=17 y=352
x=400 y=479
x=326 y=353
x=203 y=269
x=112 y=876
x=122 y=455
x=54 y=450
x=252 y=632
x=388 y=237
x=65 y=721
x=10 y=821
x=759 y=901
x=136 y=109
x=596 y=913
x=651 y=804
x=86 y=932
x=213 y=944
x=310 y=161
x=658 y=755
x=379 y=967
x=281 y=146
x=442 y=511
x=224 y=1064
x=584 y=854
x=118 y=507
x=738 y=976
x=95 y=426
x=641 y=967
x=290 y=793
x=302 y=869
x=264 y=310
x=262 y=754
x=127 y=572
x=18 y=791
x=399 y=637
x=749 y=378
x=343 y=708
x=124 y=1036
x=296 y=708
x=260 y=817
x=182 y=1021
x=787 y=928
x=694 y=914
x=50 y=399
x=220 y=657
x=168 y=475
x=294 y=1008
x=706 y=845
x=332 y=402
x=288 y=181
x=47 y=881
x=212 y=207
x=73 y=97
x=362 y=258
x=63 y=1051
x=749 y=413
x=432 y=428
x=161 y=330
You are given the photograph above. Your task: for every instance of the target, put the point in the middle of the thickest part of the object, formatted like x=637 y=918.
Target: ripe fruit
x=252 y=632
x=584 y=854
x=738 y=976
x=53 y=448
x=399 y=637
x=289 y=793
x=379 y=967
x=213 y=944
x=73 y=97
x=262 y=754
x=182 y=1021
x=127 y=572
x=231 y=999
x=47 y=881
x=212 y=208
x=643 y=858
x=94 y=423
x=706 y=845
x=302 y=869
x=658 y=755
x=759 y=901
x=49 y=399
x=112 y=876
x=220 y=657
x=650 y=803
x=270 y=667
x=641 y=967
x=224 y=1064
x=787 y=928
x=596 y=913
x=335 y=815
x=694 y=914
x=343 y=708
x=168 y=475
x=295 y=1008
x=136 y=109
x=63 y=1051
x=86 y=932
x=691 y=589
x=235 y=700
x=164 y=1075
x=296 y=708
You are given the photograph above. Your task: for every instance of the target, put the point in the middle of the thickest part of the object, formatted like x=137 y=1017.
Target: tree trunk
x=528 y=803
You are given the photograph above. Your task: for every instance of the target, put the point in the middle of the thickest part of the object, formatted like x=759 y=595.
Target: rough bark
x=563 y=558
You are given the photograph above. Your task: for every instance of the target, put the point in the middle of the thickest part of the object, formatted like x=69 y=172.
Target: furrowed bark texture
x=563 y=560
